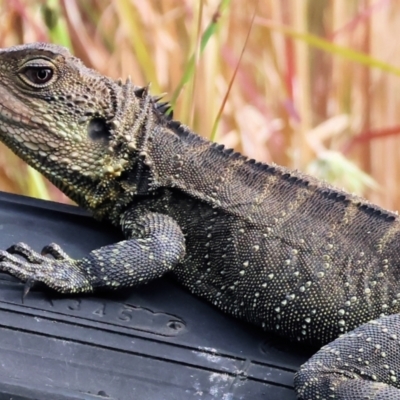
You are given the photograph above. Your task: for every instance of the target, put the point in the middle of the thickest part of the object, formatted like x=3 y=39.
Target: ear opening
x=99 y=130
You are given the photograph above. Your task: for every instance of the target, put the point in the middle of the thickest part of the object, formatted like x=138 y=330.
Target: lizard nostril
x=99 y=131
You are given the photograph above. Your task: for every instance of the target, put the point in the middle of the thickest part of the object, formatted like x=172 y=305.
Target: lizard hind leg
x=362 y=364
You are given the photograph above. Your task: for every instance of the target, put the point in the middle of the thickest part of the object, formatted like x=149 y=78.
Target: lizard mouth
x=6 y=113
x=13 y=111
x=21 y=129
x=10 y=129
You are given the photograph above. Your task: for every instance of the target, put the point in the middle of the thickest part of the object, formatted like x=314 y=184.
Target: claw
x=27 y=287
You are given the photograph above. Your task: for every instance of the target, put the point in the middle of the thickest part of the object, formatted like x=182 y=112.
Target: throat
x=93 y=196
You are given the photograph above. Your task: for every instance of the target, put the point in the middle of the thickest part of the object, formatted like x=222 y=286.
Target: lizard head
x=62 y=118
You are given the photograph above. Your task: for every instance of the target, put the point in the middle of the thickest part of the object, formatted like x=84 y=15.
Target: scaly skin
x=271 y=246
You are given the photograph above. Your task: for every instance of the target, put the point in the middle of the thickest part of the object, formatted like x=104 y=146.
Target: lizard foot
x=61 y=272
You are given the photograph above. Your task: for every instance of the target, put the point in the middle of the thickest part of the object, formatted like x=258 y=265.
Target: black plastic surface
x=156 y=342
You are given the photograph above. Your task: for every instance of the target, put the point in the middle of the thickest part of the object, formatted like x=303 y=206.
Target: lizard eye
x=37 y=73
x=38 y=76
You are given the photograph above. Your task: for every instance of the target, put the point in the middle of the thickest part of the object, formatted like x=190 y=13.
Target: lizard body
x=272 y=246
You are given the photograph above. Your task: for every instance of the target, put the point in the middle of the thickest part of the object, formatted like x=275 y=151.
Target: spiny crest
x=293 y=177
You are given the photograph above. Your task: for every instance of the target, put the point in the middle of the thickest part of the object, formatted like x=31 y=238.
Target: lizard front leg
x=154 y=246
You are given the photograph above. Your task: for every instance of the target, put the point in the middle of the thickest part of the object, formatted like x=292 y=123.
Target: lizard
x=269 y=245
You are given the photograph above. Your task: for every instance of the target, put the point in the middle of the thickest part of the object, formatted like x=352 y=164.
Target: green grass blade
x=129 y=18
x=55 y=23
x=329 y=47
x=208 y=33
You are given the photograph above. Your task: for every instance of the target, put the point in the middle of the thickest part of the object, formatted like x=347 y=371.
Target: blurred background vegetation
x=310 y=84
